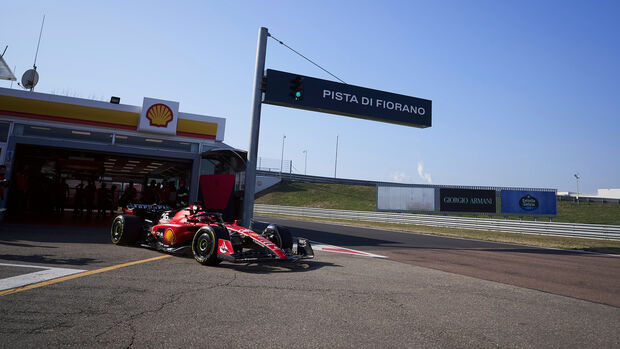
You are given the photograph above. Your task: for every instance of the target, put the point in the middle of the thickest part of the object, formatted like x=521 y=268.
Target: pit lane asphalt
x=333 y=300
x=588 y=276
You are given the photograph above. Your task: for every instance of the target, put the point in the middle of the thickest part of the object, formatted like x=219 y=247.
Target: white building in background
x=600 y=195
x=608 y=193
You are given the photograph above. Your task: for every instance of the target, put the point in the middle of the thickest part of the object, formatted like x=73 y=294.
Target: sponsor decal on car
x=264 y=241
x=225 y=247
x=169 y=237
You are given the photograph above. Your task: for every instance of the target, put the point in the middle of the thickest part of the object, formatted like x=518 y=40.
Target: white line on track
x=319 y=246
x=47 y=273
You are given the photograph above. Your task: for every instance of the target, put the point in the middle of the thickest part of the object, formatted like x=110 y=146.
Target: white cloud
x=400 y=177
x=424 y=176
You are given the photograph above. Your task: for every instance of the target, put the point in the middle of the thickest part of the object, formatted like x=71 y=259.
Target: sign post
x=257 y=95
x=303 y=92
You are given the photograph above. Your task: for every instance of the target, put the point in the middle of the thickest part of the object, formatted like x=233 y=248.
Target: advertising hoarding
x=467 y=200
x=528 y=202
x=405 y=199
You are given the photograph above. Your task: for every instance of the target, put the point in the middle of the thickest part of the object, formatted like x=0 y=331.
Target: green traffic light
x=298 y=94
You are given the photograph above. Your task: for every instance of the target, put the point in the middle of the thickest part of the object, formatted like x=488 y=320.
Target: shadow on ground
x=277 y=267
x=17 y=234
x=47 y=259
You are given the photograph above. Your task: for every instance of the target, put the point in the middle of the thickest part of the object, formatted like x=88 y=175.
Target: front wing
x=301 y=250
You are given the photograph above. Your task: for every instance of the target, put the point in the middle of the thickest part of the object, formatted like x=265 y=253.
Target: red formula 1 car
x=209 y=238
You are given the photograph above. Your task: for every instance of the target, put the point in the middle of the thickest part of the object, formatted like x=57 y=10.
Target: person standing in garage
x=182 y=194
x=129 y=196
x=164 y=193
x=112 y=203
x=89 y=197
x=172 y=194
x=78 y=201
x=60 y=196
x=102 y=200
x=151 y=193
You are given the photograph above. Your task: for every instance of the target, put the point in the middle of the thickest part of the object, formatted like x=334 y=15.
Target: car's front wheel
x=204 y=246
x=279 y=235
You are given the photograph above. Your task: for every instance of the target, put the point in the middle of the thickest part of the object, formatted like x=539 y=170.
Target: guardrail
x=595 y=231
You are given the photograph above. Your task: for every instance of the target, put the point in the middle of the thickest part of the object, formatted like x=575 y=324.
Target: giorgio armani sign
x=467 y=200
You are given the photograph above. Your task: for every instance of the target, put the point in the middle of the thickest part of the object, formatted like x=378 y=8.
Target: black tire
x=204 y=246
x=126 y=229
x=279 y=235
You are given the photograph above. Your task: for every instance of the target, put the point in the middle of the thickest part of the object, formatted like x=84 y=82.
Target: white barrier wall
x=264 y=182
x=405 y=199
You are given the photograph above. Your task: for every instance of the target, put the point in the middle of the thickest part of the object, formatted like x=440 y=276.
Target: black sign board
x=303 y=92
x=467 y=200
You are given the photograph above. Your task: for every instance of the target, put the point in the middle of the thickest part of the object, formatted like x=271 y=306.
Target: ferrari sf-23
x=209 y=238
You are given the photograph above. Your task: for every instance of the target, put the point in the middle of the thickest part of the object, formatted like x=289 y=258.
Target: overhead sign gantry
x=304 y=92
x=308 y=93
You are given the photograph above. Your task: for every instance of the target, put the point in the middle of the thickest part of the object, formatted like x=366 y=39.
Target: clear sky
x=525 y=93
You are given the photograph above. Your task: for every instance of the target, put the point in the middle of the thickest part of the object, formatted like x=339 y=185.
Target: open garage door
x=48 y=181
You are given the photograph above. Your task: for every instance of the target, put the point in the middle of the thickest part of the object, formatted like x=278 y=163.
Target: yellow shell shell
x=170 y=237
x=159 y=114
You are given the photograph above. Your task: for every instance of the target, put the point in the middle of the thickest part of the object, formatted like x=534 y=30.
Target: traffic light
x=297 y=88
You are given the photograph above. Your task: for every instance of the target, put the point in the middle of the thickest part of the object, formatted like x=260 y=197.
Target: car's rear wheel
x=279 y=235
x=204 y=246
x=126 y=229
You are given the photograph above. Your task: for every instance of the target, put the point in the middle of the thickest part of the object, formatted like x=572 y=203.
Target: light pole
x=282 y=158
x=336 y=161
x=257 y=95
x=305 y=161
x=577 y=176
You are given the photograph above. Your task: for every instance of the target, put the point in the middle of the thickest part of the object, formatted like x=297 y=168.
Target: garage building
x=52 y=147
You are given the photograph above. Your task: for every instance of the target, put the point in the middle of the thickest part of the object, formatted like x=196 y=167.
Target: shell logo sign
x=159 y=116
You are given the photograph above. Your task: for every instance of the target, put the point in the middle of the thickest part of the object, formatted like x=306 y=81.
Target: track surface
x=335 y=300
x=587 y=276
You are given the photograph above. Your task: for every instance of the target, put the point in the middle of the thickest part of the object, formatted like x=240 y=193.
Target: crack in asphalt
x=133 y=335
x=45 y=327
x=171 y=298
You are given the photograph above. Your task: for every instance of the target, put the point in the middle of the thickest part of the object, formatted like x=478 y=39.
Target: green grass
x=362 y=198
x=335 y=196
x=592 y=213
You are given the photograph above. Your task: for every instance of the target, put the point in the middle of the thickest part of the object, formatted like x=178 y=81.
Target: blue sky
x=525 y=93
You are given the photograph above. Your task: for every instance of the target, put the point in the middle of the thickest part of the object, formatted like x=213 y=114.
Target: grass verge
x=333 y=196
x=568 y=243
x=362 y=198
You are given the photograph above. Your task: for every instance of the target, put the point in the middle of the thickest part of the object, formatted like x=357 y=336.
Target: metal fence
x=274 y=167
x=313 y=179
x=588 y=199
x=332 y=180
x=595 y=231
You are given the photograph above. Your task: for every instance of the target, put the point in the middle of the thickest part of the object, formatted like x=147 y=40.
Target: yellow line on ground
x=75 y=276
